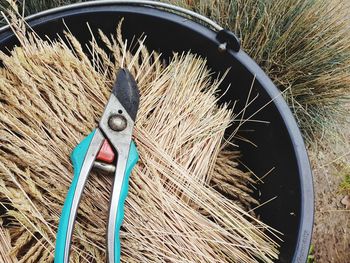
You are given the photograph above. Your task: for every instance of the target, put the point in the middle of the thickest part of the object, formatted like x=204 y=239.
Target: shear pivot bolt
x=117 y=122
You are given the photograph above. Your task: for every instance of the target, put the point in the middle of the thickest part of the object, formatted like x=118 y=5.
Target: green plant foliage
x=345 y=173
x=311 y=257
x=304 y=46
x=34 y=6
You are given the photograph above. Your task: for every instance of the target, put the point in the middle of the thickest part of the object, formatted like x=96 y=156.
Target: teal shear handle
x=131 y=162
x=65 y=227
x=83 y=157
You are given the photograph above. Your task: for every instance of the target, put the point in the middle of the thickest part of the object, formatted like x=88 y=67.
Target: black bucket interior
x=279 y=142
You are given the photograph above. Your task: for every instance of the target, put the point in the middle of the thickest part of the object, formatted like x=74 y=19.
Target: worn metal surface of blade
x=127 y=92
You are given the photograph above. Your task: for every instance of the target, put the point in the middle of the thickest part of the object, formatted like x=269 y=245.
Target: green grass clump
x=303 y=45
x=34 y=6
x=28 y=7
x=345 y=174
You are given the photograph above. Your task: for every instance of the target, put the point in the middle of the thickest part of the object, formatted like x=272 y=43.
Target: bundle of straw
x=187 y=202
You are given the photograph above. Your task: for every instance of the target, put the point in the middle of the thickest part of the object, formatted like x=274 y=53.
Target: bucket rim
x=145 y=3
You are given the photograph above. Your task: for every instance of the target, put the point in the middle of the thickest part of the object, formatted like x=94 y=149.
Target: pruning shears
x=109 y=147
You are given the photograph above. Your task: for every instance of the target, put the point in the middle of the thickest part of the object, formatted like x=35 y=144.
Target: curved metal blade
x=127 y=92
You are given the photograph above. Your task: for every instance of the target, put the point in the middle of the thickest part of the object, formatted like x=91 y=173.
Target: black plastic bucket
x=280 y=144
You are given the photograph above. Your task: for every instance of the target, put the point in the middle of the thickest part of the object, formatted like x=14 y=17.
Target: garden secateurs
x=111 y=148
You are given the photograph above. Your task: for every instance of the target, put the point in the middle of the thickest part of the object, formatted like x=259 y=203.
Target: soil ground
x=331 y=238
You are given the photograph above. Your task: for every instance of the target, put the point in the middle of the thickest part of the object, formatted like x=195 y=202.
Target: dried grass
x=187 y=202
x=5 y=241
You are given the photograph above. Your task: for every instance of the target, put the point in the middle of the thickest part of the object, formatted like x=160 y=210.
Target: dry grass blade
x=187 y=202
x=5 y=248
